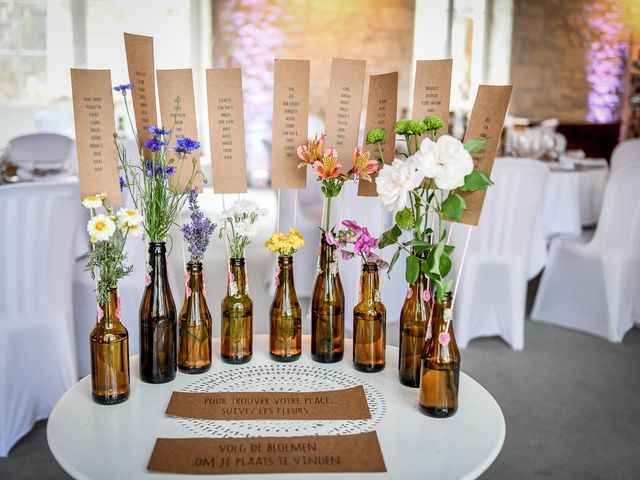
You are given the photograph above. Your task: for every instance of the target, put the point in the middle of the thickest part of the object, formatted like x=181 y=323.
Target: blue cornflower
x=123 y=88
x=157 y=131
x=168 y=171
x=122 y=183
x=186 y=145
x=154 y=144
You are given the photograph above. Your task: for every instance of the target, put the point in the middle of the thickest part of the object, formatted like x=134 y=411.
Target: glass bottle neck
x=158 y=261
x=110 y=313
x=370 y=283
x=238 y=276
x=442 y=314
x=285 y=271
x=194 y=269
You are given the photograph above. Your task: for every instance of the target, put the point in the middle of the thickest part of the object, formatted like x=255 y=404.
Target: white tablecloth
x=572 y=200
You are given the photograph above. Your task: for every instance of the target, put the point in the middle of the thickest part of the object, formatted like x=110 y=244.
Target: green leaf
x=453 y=207
x=434 y=261
x=445 y=264
x=447 y=285
x=390 y=236
x=394 y=259
x=413 y=268
x=475 y=145
x=476 y=180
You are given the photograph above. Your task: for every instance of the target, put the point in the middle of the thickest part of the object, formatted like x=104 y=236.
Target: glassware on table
x=369 y=323
x=285 y=328
x=236 y=345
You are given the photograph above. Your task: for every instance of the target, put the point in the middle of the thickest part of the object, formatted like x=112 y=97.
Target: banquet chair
x=37 y=348
x=593 y=286
x=491 y=295
x=40 y=149
x=625 y=153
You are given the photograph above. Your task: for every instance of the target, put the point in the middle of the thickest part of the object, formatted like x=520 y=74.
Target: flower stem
x=328 y=221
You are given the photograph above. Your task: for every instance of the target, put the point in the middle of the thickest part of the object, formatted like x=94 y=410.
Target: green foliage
x=402 y=126
x=390 y=237
x=108 y=259
x=475 y=145
x=413 y=269
x=476 y=180
x=433 y=123
x=405 y=218
x=453 y=207
x=416 y=127
x=376 y=135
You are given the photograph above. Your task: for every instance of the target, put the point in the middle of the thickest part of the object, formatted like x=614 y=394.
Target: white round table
x=96 y=442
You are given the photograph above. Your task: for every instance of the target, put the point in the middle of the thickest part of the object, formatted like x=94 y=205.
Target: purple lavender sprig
x=197 y=232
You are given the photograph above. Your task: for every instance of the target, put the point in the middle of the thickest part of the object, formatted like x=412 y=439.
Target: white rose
x=394 y=182
x=446 y=161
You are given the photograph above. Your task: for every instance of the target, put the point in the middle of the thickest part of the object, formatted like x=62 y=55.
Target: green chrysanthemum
x=402 y=126
x=376 y=135
x=404 y=218
x=417 y=127
x=433 y=123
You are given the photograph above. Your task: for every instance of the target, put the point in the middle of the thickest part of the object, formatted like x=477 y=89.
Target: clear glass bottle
x=236 y=344
x=158 y=322
x=109 y=354
x=440 y=373
x=369 y=323
x=195 y=326
x=327 y=308
x=285 y=332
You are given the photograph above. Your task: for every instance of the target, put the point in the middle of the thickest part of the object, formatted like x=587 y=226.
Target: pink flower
x=364 y=243
x=277 y=280
x=363 y=165
x=311 y=152
x=187 y=289
x=100 y=313
x=352 y=224
x=409 y=292
x=346 y=254
x=444 y=338
x=426 y=296
x=328 y=167
x=118 y=308
x=330 y=239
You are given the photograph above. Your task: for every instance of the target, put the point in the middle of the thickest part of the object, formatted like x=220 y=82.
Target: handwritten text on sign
x=432 y=90
x=211 y=456
x=95 y=128
x=346 y=404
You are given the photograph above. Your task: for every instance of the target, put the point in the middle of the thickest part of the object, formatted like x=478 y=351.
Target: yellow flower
x=101 y=228
x=285 y=244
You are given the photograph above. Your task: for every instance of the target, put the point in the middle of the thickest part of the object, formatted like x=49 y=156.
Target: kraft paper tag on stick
x=95 y=129
x=432 y=91
x=318 y=453
x=382 y=107
x=226 y=130
x=139 y=50
x=346 y=404
x=290 y=122
x=181 y=117
x=342 y=123
x=486 y=121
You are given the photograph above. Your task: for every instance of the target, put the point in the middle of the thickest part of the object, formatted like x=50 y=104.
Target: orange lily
x=363 y=165
x=328 y=167
x=311 y=152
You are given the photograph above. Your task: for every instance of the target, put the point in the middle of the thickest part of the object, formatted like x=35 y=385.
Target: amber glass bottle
x=109 y=355
x=237 y=316
x=440 y=371
x=158 y=322
x=414 y=318
x=195 y=328
x=369 y=323
x=285 y=332
x=327 y=308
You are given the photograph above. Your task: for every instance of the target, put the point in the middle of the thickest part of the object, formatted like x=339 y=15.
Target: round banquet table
x=92 y=441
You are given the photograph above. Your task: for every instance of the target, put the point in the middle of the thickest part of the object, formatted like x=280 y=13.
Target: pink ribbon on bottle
x=187 y=289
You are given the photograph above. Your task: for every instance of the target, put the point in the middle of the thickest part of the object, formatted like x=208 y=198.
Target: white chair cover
x=37 y=348
x=492 y=291
x=625 y=152
x=39 y=149
x=593 y=286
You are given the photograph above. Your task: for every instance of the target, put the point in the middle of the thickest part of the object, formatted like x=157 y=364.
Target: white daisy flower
x=135 y=230
x=94 y=201
x=128 y=217
x=101 y=228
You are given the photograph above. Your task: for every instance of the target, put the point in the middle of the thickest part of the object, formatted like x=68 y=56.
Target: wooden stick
x=184 y=260
x=295 y=206
x=464 y=255
x=342 y=205
x=226 y=236
x=365 y=211
x=278 y=213
x=450 y=233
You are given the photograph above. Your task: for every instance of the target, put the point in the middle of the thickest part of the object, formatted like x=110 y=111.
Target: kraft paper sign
x=382 y=107
x=290 y=122
x=486 y=121
x=226 y=130
x=139 y=51
x=216 y=456
x=346 y=404
x=342 y=123
x=95 y=129
x=181 y=117
x=432 y=91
